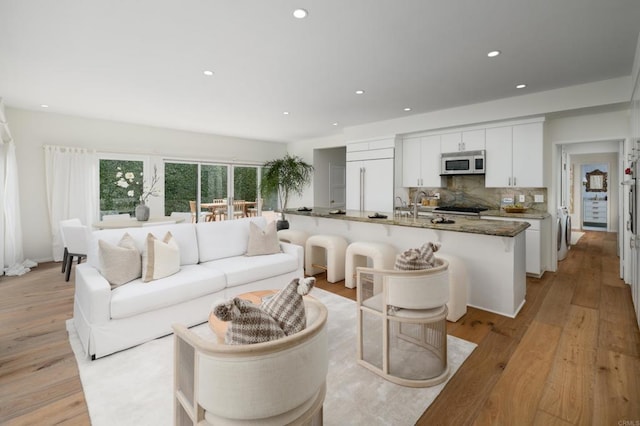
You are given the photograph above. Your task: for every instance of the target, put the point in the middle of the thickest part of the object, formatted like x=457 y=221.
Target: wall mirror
x=596 y=181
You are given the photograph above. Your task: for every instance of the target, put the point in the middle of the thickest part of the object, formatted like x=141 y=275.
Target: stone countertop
x=462 y=223
x=529 y=214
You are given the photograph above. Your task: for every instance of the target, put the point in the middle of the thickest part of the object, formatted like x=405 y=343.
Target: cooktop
x=457 y=209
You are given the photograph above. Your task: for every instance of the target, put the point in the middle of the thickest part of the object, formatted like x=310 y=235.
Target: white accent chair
x=325 y=252
x=74 y=238
x=121 y=216
x=67 y=222
x=272 y=383
x=185 y=216
x=410 y=313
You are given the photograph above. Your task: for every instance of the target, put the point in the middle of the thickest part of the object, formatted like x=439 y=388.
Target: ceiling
x=142 y=61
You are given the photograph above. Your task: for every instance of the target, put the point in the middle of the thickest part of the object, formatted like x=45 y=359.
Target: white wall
x=31 y=130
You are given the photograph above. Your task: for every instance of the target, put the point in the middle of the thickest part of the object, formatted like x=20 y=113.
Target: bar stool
x=382 y=256
x=458 y=286
x=326 y=252
x=294 y=236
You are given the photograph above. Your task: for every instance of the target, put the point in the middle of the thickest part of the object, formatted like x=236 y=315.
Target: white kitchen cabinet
x=514 y=156
x=594 y=213
x=537 y=243
x=528 y=167
x=370 y=172
x=370 y=184
x=421 y=161
x=468 y=140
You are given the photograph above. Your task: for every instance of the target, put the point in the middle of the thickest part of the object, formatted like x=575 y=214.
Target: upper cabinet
x=514 y=156
x=469 y=140
x=421 y=161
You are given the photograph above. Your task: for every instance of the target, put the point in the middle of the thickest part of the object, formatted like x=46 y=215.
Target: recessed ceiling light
x=44 y=106
x=286 y=113
x=334 y=124
x=359 y=92
x=493 y=53
x=300 y=13
x=521 y=86
x=407 y=109
x=207 y=73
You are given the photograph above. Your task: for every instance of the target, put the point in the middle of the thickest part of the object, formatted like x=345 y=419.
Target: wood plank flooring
x=571 y=357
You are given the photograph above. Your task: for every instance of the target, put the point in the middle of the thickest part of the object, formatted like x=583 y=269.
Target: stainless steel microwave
x=463 y=163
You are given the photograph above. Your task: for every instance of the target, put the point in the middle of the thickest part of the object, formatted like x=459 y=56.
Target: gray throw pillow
x=248 y=323
x=287 y=305
x=415 y=259
x=119 y=264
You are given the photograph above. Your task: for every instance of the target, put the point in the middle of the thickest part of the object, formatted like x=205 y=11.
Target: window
x=121 y=183
x=188 y=185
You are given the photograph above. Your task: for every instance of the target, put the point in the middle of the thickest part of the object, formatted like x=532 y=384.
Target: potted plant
x=285 y=176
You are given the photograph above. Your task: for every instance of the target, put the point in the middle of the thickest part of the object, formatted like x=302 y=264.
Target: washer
x=564 y=232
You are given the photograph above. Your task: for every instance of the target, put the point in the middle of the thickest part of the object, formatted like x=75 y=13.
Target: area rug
x=575 y=237
x=134 y=387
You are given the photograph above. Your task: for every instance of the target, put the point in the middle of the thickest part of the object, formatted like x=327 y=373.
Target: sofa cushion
x=120 y=264
x=191 y=282
x=227 y=238
x=263 y=240
x=242 y=269
x=160 y=258
x=184 y=234
x=248 y=323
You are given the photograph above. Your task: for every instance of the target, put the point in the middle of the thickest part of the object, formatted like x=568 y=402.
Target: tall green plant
x=286 y=176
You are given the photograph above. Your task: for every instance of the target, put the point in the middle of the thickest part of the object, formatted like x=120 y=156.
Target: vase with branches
x=138 y=187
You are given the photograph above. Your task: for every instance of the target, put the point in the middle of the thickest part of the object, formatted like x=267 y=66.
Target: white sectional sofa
x=213 y=267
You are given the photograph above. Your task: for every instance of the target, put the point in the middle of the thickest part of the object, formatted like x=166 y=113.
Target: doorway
x=595 y=196
x=329 y=180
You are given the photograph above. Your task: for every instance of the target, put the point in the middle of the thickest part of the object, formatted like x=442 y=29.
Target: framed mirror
x=596 y=181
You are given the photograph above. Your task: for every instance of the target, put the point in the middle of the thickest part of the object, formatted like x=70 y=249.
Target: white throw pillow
x=263 y=241
x=119 y=264
x=160 y=258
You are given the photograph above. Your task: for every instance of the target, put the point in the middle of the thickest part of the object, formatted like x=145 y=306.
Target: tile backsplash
x=469 y=191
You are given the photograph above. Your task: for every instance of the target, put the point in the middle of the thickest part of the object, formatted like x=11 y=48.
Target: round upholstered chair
x=402 y=330
x=271 y=383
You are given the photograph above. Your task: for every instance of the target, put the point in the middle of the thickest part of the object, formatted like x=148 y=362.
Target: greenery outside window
x=121 y=183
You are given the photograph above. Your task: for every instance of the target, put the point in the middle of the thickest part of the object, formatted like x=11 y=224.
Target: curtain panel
x=72 y=189
x=11 y=252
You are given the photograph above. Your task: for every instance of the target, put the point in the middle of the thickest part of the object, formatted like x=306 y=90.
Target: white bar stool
x=458 y=286
x=294 y=237
x=382 y=257
x=326 y=252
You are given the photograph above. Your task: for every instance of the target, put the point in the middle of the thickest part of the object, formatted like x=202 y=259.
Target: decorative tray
x=515 y=209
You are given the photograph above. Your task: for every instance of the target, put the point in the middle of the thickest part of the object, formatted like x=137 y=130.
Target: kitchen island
x=493 y=252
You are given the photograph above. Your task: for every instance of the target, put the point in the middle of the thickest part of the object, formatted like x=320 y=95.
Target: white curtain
x=72 y=188
x=11 y=252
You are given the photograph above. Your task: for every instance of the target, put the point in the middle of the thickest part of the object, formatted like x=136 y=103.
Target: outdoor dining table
x=217 y=206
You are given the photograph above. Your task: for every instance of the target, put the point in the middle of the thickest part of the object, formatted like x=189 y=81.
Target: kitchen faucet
x=402 y=203
x=415 y=203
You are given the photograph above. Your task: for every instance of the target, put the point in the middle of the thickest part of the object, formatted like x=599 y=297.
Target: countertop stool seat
x=294 y=236
x=458 y=286
x=382 y=257
x=326 y=252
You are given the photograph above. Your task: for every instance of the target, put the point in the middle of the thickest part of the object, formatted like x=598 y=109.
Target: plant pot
x=282 y=224
x=142 y=212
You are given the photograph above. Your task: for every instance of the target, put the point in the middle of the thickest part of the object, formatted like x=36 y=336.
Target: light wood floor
x=572 y=356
